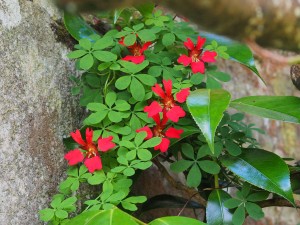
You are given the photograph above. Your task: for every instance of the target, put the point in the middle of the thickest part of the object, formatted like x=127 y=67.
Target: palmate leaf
x=206 y=107
x=263 y=169
x=284 y=108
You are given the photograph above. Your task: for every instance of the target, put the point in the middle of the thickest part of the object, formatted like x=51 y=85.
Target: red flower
x=158 y=131
x=90 y=156
x=196 y=57
x=137 y=51
x=168 y=103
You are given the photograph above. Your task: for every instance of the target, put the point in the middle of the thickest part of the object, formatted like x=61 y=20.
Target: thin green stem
x=216 y=181
x=106 y=84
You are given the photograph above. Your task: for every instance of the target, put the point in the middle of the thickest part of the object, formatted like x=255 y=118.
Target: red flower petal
x=153 y=109
x=104 y=144
x=200 y=42
x=77 y=137
x=209 y=56
x=189 y=44
x=198 y=67
x=134 y=59
x=89 y=135
x=182 y=95
x=145 y=47
x=184 y=60
x=93 y=164
x=147 y=130
x=74 y=157
x=121 y=41
x=158 y=90
x=163 y=146
x=175 y=113
x=173 y=133
x=168 y=87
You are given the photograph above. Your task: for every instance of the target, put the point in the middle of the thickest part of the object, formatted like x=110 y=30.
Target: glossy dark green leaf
x=237 y=51
x=284 y=108
x=207 y=107
x=113 y=217
x=216 y=212
x=176 y=220
x=263 y=169
x=181 y=165
x=77 y=27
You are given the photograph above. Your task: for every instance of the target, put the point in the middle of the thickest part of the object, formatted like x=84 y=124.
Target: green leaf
x=188 y=151
x=115 y=117
x=129 y=206
x=176 y=220
x=258 y=196
x=284 y=108
x=142 y=165
x=86 y=62
x=232 y=203
x=146 y=8
x=112 y=217
x=216 y=212
x=137 y=89
x=168 y=39
x=238 y=52
x=68 y=202
x=76 y=54
x=181 y=165
x=207 y=107
x=103 y=43
x=46 y=214
x=232 y=148
x=77 y=27
x=254 y=210
x=209 y=166
x=61 y=214
x=130 y=39
x=146 y=35
x=194 y=176
x=85 y=43
x=144 y=154
x=105 y=56
x=123 y=82
x=238 y=217
x=146 y=79
x=129 y=172
x=95 y=118
x=121 y=105
x=132 y=67
x=263 y=169
x=110 y=98
x=151 y=142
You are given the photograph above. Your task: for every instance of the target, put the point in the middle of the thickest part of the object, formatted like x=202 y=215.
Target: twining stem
x=106 y=84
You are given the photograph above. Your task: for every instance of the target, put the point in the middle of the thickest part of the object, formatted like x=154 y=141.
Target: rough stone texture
x=36 y=109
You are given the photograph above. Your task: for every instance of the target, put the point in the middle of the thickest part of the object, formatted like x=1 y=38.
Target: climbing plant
x=151 y=88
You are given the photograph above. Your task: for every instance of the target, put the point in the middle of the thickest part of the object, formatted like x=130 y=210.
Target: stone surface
x=36 y=109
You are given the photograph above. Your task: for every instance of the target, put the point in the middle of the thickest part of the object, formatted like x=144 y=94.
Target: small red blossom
x=167 y=103
x=90 y=156
x=196 y=55
x=159 y=130
x=137 y=51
